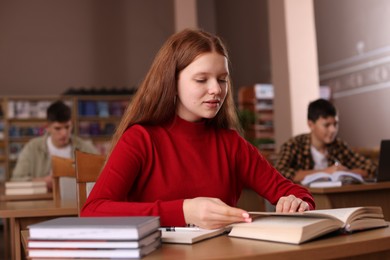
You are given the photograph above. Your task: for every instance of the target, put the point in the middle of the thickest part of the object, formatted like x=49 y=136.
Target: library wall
x=354 y=61
x=49 y=46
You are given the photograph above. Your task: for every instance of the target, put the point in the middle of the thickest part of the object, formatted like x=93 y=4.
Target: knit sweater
x=153 y=169
x=34 y=160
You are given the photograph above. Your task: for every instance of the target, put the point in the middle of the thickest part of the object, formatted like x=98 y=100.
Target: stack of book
x=25 y=187
x=94 y=237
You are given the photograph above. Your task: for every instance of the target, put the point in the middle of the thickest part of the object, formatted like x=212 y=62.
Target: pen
x=179 y=229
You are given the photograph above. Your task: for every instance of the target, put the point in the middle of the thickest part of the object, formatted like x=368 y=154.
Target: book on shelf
x=125 y=253
x=24 y=184
x=191 y=235
x=297 y=228
x=114 y=228
x=25 y=187
x=94 y=243
x=331 y=180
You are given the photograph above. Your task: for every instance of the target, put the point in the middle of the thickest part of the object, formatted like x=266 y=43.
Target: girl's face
x=202 y=87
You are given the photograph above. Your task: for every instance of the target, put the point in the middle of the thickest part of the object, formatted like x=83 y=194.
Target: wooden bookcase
x=94 y=118
x=255 y=105
x=3 y=160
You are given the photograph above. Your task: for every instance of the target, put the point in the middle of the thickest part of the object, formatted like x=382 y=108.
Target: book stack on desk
x=94 y=237
x=25 y=187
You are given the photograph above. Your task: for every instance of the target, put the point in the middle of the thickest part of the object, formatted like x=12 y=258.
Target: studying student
x=177 y=153
x=34 y=161
x=321 y=150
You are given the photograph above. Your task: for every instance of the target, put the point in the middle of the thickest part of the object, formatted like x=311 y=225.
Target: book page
x=341 y=214
x=353 y=218
x=343 y=176
x=319 y=176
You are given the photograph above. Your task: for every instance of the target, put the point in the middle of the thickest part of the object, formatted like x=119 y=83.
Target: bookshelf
x=24 y=117
x=255 y=104
x=3 y=156
x=97 y=118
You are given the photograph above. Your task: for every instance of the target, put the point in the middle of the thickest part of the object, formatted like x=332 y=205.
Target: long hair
x=153 y=103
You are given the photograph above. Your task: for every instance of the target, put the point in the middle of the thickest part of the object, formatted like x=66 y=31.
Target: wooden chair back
x=88 y=167
x=61 y=167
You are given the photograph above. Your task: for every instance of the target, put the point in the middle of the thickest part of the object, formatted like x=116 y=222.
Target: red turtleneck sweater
x=154 y=168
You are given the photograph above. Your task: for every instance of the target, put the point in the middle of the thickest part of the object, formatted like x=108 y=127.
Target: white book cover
x=115 y=228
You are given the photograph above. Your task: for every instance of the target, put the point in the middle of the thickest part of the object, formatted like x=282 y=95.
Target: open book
x=323 y=179
x=296 y=228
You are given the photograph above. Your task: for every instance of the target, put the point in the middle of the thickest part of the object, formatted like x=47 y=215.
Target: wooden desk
x=370 y=194
x=371 y=244
x=3 y=197
x=23 y=213
x=42 y=196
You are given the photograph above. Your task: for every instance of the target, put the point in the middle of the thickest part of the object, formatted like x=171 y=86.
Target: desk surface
x=43 y=196
x=225 y=247
x=36 y=208
x=352 y=188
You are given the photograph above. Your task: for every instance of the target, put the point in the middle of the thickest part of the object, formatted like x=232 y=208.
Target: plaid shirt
x=295 y=155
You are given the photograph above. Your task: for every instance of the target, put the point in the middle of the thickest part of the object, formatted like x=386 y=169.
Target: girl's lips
x=212 y=103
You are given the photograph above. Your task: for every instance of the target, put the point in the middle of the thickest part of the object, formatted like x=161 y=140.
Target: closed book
x=114 y=228
x=297 y=228
x=94 y=243
x=26 y=191
x=94 y=252
x=191 y=236
x=24 y=184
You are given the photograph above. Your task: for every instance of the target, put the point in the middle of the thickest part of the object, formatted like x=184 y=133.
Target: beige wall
x=354 y=60
x=48 y=46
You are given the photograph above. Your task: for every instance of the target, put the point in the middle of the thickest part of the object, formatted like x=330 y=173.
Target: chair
x=61 y=167
x=88 y=167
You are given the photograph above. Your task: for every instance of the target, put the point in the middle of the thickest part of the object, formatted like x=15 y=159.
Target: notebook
x=383 y=173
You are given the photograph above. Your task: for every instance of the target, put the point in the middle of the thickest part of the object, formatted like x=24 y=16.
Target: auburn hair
x=153 y=103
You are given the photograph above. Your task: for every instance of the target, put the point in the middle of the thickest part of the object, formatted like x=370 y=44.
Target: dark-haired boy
x=34 y=161
x=320 y=150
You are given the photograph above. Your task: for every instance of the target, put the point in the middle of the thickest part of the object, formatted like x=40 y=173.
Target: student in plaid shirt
x=320 y=150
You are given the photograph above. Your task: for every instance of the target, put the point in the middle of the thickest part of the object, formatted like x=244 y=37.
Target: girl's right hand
x=212 y=213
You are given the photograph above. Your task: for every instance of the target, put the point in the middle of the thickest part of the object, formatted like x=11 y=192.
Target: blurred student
x=176 y=153
x=321 y=150
x=34 y=161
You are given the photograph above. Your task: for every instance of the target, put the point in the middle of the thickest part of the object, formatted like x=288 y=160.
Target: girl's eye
x=200 y=80
x=222 y=80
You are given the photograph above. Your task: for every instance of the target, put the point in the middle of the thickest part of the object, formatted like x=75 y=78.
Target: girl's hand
x=212 y=213
x=291 y=204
